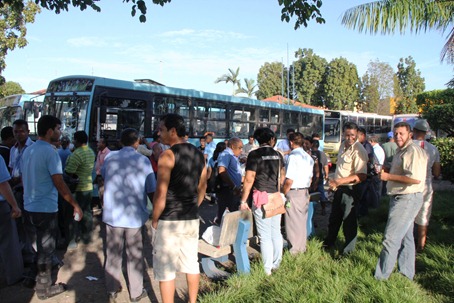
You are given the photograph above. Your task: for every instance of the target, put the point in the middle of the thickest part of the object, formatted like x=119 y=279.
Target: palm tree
x=389 y=16
x=249 y=90
x=232 y=77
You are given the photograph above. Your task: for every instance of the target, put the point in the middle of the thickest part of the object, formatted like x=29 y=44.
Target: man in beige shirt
x=405 y=186
x=420 y=130
x=351 y=169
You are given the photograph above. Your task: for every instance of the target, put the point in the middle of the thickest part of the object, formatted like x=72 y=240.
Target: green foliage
x=309 y=71
x=317 y=276
x=12 y=23
x=408 y=84
x=377 y=87
x=232 y=77
x=249 y=88
x=304 y=10
x=437 y=107
x=438 y=96
x=341 y=85
x=269 y=80
x=390 y=16
x=446 y=148
x=10 y=88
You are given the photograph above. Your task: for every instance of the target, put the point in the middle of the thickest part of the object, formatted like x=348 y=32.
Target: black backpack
x=214 y=183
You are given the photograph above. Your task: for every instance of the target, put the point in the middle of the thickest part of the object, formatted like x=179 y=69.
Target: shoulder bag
x=276 y=203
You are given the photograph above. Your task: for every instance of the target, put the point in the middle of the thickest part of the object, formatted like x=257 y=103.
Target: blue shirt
x=15 y=157
x=4 y=175
x=228 y=160
x=128 y=177
x=64 y=153
x=40 y=162
x=209 y=150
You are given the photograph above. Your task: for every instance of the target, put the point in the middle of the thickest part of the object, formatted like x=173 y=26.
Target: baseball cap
x=422 y=125
x=390 y=135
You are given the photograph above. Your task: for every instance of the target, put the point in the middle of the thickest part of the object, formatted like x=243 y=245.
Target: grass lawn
x=317 y=276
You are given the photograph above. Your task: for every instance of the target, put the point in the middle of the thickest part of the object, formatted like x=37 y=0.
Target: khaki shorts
x=426 y=209
x=175 y=249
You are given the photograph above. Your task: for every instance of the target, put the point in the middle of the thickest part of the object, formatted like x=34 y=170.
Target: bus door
x=115 y=110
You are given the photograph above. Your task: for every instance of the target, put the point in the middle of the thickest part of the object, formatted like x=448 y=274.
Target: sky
x=190 y=43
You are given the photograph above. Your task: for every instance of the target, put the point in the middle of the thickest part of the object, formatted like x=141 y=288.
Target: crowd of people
x=38 y=211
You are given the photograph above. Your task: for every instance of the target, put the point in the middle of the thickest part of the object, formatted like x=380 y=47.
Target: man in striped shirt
x=80 y=164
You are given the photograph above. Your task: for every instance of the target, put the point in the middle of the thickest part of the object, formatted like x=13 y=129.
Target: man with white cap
x=420 y=130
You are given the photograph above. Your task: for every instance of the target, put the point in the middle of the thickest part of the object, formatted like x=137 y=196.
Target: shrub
x=446 y=148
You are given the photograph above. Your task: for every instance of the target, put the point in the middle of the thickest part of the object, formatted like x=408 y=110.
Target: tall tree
x=12 y=23
x=230 y=78
x=10 y=88
x=408 y=84
x=303 y=10
x=309 y=71
x=390 y=16
x=437 y=107
x=341 y=85
x=249 y=89
x=377 y=87
x=270 y=80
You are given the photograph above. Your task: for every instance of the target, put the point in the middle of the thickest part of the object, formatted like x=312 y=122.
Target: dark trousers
x=46 y=227
x=226 y=199
x=25 y=231
x=84 y=227
x=10 y=251
x=343 y=213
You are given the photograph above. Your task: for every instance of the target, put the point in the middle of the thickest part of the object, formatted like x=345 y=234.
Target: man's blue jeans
x=398 y=243
x=271 y=241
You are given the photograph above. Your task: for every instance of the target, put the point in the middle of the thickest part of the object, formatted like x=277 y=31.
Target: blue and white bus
x=104 y=107
x=21 y=106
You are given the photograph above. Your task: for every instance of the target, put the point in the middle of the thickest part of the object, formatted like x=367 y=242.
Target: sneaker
x=144 y=294
x=112 y=297
x=72 y=245
x=215 y=221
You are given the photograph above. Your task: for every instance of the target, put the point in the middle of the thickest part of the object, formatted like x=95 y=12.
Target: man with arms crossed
x=351 y=169
x=42 y=177
x=180 y=190
x=405 y=187
x=298 y=179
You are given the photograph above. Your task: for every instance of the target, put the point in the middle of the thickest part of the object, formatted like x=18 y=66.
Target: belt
x=301 y=188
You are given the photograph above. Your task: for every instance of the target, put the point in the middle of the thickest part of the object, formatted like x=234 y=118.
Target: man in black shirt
x=180 y=190
x=203 y=141
x=363 y=207
x=8 y=141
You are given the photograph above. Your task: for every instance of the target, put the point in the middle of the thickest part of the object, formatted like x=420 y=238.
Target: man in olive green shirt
x=81 y=164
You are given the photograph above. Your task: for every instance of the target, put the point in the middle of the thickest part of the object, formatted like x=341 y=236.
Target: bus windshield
x=332 y=130
x=71 y=110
